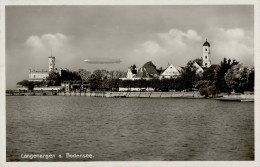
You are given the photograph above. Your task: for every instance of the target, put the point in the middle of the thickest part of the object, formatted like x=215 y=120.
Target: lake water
x=127 y=129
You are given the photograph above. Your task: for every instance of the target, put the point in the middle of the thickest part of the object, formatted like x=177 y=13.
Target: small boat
x=247 y=100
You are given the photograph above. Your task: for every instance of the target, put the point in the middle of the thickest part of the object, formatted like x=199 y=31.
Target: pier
x=134 y=94
x=109 y=94
x=124 y=94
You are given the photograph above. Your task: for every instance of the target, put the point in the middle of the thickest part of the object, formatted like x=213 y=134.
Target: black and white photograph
x=129 y=83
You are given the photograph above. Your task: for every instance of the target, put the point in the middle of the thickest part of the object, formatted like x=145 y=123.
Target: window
x=205 y=57
x=205 y=49
x=206 y=64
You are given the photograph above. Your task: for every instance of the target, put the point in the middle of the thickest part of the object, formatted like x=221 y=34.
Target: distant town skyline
x=133 y=34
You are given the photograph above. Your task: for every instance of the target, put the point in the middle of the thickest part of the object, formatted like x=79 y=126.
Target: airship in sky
x=101 y=61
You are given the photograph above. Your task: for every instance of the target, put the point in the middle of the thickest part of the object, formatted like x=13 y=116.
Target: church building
x=210 y=69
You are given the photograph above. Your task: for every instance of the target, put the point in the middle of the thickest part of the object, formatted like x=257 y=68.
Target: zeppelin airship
x=102 y=61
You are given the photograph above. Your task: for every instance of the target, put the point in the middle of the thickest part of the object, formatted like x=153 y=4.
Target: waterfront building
x=38 y=75
x=147 y=71
x=150 y=71
x=132 y=73
x=171 y=72
x=35 y=75
x=47 y=88
x=21 y=87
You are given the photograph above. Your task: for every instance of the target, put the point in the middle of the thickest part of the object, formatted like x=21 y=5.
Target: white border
x=255 y=163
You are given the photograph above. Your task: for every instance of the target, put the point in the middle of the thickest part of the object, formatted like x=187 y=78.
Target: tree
x=23 y=83
x=53 y=76
x=251 y=80
x=189 y=76
x=95 y=80
x=84 y=74
x=221 y=84
x=155 y=84
x=29 y=84
x=237 y=78
x=117 y=74
x=206 y=87
x=53 y=79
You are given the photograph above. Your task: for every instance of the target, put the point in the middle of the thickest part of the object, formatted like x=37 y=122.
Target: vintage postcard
x=129 y=83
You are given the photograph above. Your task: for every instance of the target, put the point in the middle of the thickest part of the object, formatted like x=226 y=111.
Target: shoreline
x=108 y=94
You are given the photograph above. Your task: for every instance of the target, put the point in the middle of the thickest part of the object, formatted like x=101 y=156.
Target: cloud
x=38 y=48
x=178 y=47
x=167 y=47
x=46 y=41
x=150 y=48
x=178 y=38
x=234 y=43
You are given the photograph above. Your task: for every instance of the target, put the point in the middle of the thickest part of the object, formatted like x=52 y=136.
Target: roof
x=214 y=66
x=199 y=69
x=39 y=72
x=206 y=43
x=171 y=71
x=150 y=68
x=147 y=71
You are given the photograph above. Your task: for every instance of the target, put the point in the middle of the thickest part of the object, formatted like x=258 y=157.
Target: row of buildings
x=147 y=71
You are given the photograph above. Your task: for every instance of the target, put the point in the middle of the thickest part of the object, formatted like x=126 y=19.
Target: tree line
x=226 y=77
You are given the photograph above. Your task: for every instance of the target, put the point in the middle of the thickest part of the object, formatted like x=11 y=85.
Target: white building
x=132 y=73
x=49 y=88
x=171 y=72
x=38 y=75
x=149 y=71
x=42 y=75
x=199 y=69
x=22 y=88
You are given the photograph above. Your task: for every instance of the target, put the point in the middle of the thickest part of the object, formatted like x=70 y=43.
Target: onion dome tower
x=206 y=55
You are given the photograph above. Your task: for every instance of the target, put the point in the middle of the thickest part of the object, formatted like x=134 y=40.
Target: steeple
x=206 y=43
x=206 y=62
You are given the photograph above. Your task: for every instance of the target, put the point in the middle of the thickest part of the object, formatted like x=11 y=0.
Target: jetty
x=134 y=94
x=246 y=97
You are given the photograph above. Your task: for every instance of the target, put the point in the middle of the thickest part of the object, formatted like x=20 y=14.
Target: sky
x=134 y=34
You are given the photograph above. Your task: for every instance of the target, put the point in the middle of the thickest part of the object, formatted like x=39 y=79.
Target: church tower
x=206 y=55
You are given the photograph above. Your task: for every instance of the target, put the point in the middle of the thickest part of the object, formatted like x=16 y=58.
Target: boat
x=247 y=100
